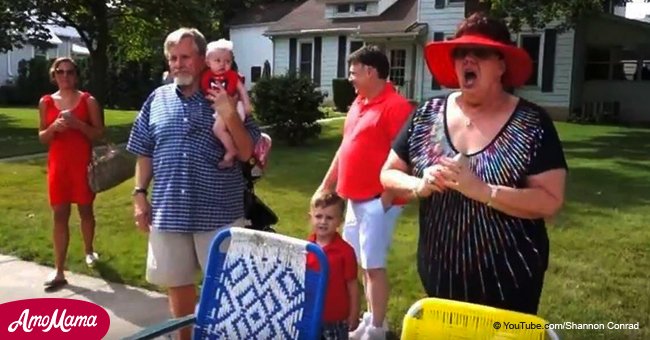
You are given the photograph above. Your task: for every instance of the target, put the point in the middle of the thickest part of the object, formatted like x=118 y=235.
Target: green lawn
x=19 y=129
x=600 y=264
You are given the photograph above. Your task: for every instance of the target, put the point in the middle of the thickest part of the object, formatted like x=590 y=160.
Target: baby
x=219 y=58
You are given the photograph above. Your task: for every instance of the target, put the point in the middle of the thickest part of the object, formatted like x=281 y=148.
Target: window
x=351 y=9
x=644 y=71
x=627 y=66
x=597 y=63
x=355 y=45
x=305 y=59
x=456 y=1
x=256 y=73
x=397 y=67
x=616 y=63
x=532 y=43
x=362 y=7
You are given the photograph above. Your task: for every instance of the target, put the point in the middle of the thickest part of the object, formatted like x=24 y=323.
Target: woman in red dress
x=69 y=121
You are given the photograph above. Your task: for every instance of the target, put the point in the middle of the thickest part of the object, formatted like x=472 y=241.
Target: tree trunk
x=99 y=55
x=98 y=76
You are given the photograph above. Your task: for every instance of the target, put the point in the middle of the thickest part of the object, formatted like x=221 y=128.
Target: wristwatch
x=138 y=190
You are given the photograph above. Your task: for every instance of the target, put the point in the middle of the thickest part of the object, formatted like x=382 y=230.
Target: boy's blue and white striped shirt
x=190 y=193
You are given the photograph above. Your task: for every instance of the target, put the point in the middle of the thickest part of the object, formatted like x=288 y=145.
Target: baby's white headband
x=220 y=44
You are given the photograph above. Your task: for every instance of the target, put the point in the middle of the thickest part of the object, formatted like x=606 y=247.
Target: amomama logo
x=53 y=318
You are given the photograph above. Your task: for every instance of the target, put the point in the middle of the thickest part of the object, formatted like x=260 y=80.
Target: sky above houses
x=637 y=9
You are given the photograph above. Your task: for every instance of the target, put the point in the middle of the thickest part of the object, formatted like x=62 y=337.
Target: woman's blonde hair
x=57 y=62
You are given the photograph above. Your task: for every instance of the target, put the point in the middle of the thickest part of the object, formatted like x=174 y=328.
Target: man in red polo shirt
x=373 y=121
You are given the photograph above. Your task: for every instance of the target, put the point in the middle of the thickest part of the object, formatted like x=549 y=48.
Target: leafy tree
x=538 y=13
x=127 y=29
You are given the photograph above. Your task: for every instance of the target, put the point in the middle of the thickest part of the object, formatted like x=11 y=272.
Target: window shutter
x=293 y=54
x=440 y=4
x=548 y=66
x=343 y=44
x=318 y=43
x=437 y=36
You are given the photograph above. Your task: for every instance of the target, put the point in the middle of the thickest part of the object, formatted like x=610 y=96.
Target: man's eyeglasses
x=478 y=52
x=70 y=72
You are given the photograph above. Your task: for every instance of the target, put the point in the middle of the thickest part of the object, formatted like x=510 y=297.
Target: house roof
x=310 y=17
x=343 y=1
x=622 y=20
x=67 y=31
x=264 y=13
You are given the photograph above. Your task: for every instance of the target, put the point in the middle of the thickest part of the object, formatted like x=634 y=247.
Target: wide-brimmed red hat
x=437 y=54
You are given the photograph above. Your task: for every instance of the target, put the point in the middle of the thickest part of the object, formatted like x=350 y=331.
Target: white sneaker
x=91 y=259
x=361 y=329
x=374 y=333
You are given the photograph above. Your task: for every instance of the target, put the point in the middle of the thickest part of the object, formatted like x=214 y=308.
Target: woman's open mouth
x=469 y=77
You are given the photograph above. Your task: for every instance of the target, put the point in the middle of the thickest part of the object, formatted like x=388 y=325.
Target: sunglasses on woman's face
x=70 y=72
x=479 y=52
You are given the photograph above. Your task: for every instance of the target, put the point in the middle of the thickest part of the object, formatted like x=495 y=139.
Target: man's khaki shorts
x=173 y=259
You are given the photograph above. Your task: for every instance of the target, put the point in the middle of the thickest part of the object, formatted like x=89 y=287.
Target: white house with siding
x=251 y=47
x=601 y=65
x=63 y=42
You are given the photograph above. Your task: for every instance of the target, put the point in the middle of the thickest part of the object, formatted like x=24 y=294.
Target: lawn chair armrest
x=162 y=328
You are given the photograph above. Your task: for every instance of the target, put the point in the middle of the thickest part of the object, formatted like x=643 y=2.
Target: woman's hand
x=460 y=177
x=431 y=181
x=73 y=122
x=59 y=125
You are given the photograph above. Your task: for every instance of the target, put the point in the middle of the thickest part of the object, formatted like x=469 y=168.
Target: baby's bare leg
x=221 y=132
x=241 y=111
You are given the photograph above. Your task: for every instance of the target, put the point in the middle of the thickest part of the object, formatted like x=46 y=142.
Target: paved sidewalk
x=130 y=308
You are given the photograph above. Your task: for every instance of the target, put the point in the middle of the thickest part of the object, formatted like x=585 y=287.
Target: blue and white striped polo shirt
x=190 y=193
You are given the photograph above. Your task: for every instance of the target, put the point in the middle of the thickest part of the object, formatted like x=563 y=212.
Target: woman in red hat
x=488 y=168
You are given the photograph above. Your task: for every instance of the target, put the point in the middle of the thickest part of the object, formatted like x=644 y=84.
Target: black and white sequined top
x=467 y=250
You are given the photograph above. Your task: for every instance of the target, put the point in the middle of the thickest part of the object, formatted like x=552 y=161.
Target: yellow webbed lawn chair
x=434 y=318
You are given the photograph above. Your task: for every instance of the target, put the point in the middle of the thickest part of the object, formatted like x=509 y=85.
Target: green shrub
x=129 y=83
x=7 y=95
x=33 y=81
x=344 y=94
x=289 y=105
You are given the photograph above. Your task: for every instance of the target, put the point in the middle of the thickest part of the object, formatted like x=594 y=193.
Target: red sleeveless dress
x=70 y=153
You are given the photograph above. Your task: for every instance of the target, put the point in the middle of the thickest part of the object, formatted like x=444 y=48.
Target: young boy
x=341 y=311
x=219 y=58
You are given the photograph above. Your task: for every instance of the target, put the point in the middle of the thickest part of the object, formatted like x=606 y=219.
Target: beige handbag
x=110 y=166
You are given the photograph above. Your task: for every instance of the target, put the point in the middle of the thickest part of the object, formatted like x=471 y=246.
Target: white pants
x=369 y=230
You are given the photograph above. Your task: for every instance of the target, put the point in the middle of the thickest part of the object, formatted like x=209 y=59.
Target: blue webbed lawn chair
x=256 y=286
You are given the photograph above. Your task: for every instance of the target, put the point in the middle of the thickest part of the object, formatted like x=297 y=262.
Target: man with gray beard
x=192 y=198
